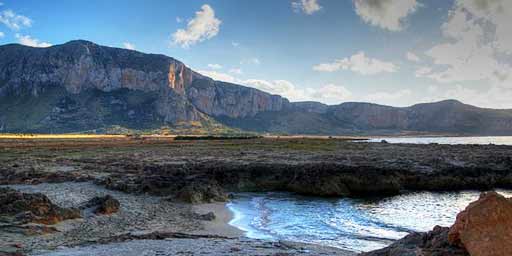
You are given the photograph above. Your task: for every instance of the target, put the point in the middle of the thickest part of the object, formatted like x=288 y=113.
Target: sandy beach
x=140 y=215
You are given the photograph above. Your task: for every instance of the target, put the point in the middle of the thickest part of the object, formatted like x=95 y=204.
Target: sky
x=393 y=52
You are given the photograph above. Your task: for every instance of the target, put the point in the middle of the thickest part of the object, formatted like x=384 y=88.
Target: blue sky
x=394 y=52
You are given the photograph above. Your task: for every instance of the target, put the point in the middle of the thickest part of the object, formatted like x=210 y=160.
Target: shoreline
x=220 y=225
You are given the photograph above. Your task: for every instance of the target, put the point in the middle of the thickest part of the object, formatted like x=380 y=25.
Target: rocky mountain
x=445 y=117
x=82 y=86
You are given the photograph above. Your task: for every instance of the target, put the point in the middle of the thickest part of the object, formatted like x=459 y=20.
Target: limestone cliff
x=129 y=86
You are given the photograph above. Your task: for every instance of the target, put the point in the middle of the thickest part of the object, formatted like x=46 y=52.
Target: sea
x=354 y=224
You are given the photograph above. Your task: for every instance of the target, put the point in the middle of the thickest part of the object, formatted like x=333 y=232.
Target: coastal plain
x=172 y=192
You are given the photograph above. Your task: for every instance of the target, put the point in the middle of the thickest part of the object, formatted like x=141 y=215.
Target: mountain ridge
x=80 y=86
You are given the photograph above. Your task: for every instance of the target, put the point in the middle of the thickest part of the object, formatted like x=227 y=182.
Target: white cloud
x=412 y=57
x=2 y=34
x=215 y=66
x=179 y=20
x=331 y=93
x=14 y=21
x=386 y=14
x=237 y=71
x=219 y=76
x=129 y=46
x=308 y=7
x=472 y=43
x=494 y=13
x=29 y=41
x=423 y=72
x=358 y=63
x=235 y=44
x=202 y=27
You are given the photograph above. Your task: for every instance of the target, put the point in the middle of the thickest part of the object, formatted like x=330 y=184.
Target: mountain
x=82 y=86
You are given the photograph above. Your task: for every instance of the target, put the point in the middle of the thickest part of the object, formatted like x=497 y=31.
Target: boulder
x=485 y=226
x=36 y=208
x=433 y=243
x=105 y=205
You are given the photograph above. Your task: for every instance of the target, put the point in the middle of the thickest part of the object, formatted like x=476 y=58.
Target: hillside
x=82 y=86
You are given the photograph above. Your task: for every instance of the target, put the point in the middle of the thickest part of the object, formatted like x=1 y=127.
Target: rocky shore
x=484 y=228
x=131 y=191
x=205 y=171
x=144 y=224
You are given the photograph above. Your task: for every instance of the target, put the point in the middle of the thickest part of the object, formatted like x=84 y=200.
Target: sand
x=219 y=226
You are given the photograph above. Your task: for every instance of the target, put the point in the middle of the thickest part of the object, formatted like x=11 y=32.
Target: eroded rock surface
x=105 y=205
x=484 y=228
x=36 y=208
x=433 y=243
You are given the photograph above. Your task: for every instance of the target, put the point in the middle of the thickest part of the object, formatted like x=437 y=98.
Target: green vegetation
x=248 y=137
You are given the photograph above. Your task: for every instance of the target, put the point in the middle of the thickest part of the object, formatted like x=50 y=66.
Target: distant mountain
x=81 y=86
x=445 y=117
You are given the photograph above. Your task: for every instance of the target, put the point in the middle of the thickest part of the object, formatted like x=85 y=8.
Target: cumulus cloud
x=129 y=46
x=331 y=93
x=308 y=7
x=386 y=14
x=14 y=21
x=412 y=57
x=202 y=27
x=215 y=66
x=474 y=37
x=33 y=42
x=423 y=72
x=219 y=76
x=494 y=13
x=358 y=63
x=2 y=34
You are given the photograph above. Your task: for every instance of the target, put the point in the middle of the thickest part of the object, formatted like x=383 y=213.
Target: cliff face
x=82 y=86
x=115 y=81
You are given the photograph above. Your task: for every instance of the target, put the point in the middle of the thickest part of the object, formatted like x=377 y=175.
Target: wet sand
x=220 y=225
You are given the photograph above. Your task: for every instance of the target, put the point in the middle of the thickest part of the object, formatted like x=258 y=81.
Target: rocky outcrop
x=202 y=193
x=105 y=205
x=484 y=228
x=36 y=208
x=433 y=243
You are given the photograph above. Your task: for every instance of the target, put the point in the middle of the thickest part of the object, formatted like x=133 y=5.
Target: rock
x=198 y=192
x=105 y=205
x=484 y=228
x=165 y=88
x=206 y=217
x=35 y=208
x=433 y=243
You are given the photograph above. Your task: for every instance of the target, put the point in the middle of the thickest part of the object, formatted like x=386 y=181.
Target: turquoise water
x=497 y=140
x=353 y=224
